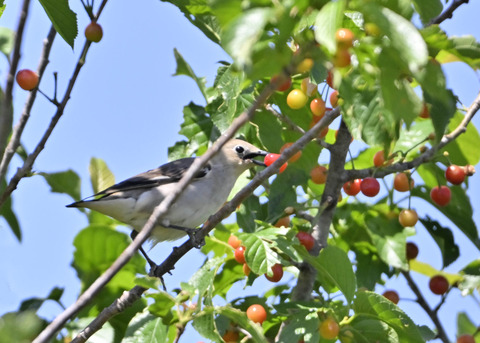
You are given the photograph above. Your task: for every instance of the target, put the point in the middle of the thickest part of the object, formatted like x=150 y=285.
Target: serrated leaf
x=163 y=307
x=444 y=238
x=465 y=326
x=428 y=9
x=300 y=325
x=183 y=68
x=63 y=19
x=412 y=137
x=67 y=182
x=366 y=330
x=7 y=213
x=145 y=327
x=205 y=326
x=377 y=306
x=20 y=327
x=101 y=176
x=334 y=266
x=231 y=272
x=202 y=280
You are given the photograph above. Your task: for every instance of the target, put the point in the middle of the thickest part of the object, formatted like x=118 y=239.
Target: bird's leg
x=192 y=234
x=152 y=264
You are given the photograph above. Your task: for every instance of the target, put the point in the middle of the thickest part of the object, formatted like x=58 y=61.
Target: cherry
x=234 y=242
x=408 y=218
x=425 y=112
x=286 y=82
x=466 y=339
x=27 y=79
x=284 y=221
x=305 y=66
x=370 y=186
x=402 y=183
x=352 y=187
x=379 y=159
x=441 y=195
x=94 y=32
x=256 y=313
x=411 y=251
x=270 y=158
x=392 y=296
x=231 y=336
x=306 y=240
x=239 y=255
x=329 y=328
x=344 y=38
x=319 y=175
x=334 y=98
x=329 y=79
x=277 y=275
x=246 y=269
x=295 y=157
x=342 y=59
x=317 y=106
x=455 y=174
x=438 y=284
x=296 y=99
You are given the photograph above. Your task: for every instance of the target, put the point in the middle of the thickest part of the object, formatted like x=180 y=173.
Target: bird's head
x=241 y=153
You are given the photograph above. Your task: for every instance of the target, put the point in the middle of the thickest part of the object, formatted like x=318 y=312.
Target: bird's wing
x=168 y=173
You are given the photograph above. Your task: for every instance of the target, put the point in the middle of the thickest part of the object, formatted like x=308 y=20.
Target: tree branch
x=442 y=335
x=423 y=158
x=18 y=130
x=448 y=13
x=6 y=110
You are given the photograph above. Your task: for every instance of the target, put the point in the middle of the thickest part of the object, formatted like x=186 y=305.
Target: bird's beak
x=251 y=155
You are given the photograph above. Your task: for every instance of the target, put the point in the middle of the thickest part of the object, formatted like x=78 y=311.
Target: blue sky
x=126 y=108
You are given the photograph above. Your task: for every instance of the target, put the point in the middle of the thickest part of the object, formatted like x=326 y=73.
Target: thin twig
x=448 y=13
x=6 y=114
x=423 y=303
x=285 y=119
x=426 y=156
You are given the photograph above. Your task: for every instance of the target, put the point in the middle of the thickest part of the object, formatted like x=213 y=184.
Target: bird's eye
x=239 y=149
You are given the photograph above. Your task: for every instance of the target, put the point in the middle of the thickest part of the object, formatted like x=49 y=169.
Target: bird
x=133 y=200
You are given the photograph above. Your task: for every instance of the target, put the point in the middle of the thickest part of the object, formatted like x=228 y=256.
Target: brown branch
x=18 y=130
x=428 y=155
x=448 y=13
x=442 y=335
x=177 y=253
x=6 y=114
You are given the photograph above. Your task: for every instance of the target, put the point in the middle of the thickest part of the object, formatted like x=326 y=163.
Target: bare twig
x=442 y=335
x=424 y=157
x=6 y=111
x=18 y=130
x=448 y=13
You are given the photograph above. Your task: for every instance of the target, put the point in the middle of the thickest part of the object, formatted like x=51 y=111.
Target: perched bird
x=132 y=201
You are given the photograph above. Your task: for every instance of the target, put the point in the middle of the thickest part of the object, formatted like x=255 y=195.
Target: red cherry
x=234 y=242
x=317 y=106
x=411 y=251
x=319 y=175
x=277 y=270
x=270 y=158
x=370 y=186
x=392 y=296
x=256 y=313
x=466 y=339
x=240 y=255
x=306 y=239
x=352 y=187
x=438 y=284
x=441 y=195
x=455 y=174
x=286 y=82
x=401 y=182
x=329 y=79
x=27 y=79
x=94 y=32
x=334 y=98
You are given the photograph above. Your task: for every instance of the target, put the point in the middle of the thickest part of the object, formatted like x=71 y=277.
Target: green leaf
x=7 y=37
x=403 y=36
x=329 y=19
x=243 y=33
x=465 y=326
x=197 y=127
x=63 y=19
x=282 y=194
x=231 y=272
x=459 y=210
x=67 y=182
x=20 y=327
x=378 y=307
x=2 y=7
x=301 y=324
x=205 y=326
x=6 y=212
x=412 y=137
x=145 y=327
x=183 y=68
x=100 y=175
x=202 y=280
x=444 y=238
x=163 y=307
x=465 y=49
x=428 y=9
x=334 y=267
x=366 y=330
